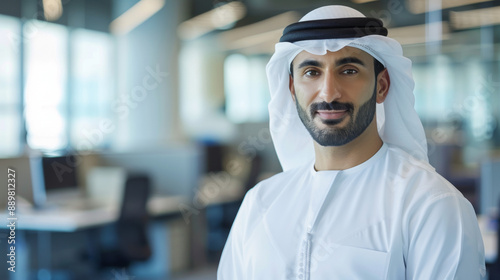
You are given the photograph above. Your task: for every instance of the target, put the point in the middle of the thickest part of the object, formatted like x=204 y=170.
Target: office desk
x=45 y=222
x=64 y=220
x=60 y=219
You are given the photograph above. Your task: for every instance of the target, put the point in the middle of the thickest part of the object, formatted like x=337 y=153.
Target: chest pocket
x=346 y=262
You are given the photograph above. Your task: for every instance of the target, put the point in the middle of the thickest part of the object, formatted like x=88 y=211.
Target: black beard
x=339 y=136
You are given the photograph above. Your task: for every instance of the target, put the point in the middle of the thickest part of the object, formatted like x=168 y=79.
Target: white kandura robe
x=391 y=217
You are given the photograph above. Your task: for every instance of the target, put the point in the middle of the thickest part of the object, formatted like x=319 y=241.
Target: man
x=357 y=198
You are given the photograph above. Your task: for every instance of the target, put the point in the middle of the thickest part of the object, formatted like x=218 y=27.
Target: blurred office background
x=172 y=94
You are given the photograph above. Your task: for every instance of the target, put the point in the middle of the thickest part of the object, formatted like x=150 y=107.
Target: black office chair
x=131 y=228
x=220 y=217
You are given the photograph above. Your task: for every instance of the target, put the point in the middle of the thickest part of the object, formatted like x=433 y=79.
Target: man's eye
x=311 y=73
x=350 y=71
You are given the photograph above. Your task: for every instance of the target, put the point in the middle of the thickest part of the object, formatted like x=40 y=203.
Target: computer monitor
x=60 y=177
x=60 y=172
x=214 y=157
x=28 y=179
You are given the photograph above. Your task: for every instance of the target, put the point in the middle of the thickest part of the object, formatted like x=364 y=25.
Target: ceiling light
x=52 y=9
x=260 y=36
x=416 y=34
x=362 y=1
x=217 y=18
x=135 y=16
x=422 y=6
x=475 y=18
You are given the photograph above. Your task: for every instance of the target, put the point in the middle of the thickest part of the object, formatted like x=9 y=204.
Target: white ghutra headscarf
x=397 y=121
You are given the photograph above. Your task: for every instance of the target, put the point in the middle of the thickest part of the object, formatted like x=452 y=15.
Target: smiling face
x=336 y=93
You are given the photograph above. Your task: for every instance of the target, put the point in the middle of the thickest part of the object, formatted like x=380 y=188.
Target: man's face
x=335 y=94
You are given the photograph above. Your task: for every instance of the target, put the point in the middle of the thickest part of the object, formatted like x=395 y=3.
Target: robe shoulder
x=417 y=179
x=413 y=179
x=266 y=191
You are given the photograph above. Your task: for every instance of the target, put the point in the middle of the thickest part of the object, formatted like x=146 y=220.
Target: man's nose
x=330 y=90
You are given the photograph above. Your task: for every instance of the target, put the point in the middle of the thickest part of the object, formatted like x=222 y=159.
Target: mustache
x=331 y=106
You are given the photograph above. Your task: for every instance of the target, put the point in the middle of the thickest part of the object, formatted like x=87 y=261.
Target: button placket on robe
x=322 y=184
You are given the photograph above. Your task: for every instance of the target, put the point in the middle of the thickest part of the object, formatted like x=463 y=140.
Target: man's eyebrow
x=342 y=61
x=349 y=59
x=310 y=62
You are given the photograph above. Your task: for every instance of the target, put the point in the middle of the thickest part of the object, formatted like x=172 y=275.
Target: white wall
x=202 y=91
x=146 y=104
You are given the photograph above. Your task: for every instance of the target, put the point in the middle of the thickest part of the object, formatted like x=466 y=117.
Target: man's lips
x=331 y=114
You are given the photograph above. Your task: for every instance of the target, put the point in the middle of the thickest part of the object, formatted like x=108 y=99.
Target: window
x=247 y=93
x=10 y=94
x=91 y=88
x=46 y=85
x=69 y=86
